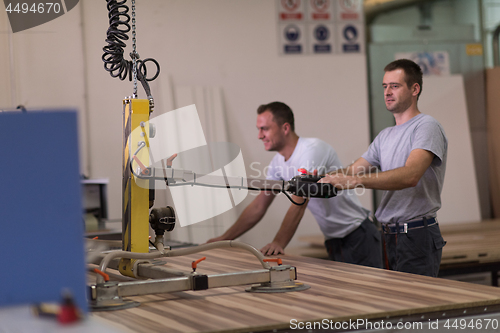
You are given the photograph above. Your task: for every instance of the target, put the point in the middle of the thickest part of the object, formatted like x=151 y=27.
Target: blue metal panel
x=41 y=225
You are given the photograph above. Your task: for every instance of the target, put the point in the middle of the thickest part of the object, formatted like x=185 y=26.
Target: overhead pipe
x=374 y=8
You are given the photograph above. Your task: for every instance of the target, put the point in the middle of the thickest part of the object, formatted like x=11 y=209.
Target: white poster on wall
x=432 y=63
x=320 y=26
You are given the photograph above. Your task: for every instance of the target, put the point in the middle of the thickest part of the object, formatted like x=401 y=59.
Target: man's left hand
x=272 y=249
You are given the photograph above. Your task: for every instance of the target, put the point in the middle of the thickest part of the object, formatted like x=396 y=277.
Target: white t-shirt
x=337 y=216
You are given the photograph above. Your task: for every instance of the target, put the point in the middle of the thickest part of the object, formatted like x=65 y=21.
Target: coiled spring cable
x=117 y=33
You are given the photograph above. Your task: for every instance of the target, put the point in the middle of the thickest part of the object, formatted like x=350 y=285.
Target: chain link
x=134 y=51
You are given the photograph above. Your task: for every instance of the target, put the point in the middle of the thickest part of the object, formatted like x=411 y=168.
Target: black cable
x=117 y=33
x=225 y=186
x=295 y=203
x=248 y=188
x=221 y=186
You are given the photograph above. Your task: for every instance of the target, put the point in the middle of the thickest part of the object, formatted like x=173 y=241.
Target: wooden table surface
x=338 y=291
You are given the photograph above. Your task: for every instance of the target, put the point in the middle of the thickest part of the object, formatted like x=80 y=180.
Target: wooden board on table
x=338 y=292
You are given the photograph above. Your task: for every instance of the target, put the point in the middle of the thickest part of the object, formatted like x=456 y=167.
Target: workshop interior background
x=229 y=51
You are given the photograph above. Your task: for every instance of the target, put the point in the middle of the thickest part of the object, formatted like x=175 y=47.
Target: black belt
x=402 y=228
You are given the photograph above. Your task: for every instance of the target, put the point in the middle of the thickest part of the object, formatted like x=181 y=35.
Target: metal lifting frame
x=133 y=262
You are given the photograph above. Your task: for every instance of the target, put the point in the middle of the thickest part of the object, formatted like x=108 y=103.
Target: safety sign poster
x=320 y=26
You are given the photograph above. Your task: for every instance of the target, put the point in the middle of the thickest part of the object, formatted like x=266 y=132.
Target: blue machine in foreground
x=41 y=227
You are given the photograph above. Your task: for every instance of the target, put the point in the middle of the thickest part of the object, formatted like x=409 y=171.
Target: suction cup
x=112 y=305
x=278 y=287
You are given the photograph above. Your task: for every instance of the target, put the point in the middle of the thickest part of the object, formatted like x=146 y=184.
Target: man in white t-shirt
x=350 y=236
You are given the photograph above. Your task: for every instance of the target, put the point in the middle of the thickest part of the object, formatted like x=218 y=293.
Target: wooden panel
x=493 y=117
x=444 y=99
x=476 y=226
x=338 y=291
x=471 y=242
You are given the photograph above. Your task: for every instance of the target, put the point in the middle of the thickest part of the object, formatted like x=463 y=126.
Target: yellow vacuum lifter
x=135 y=192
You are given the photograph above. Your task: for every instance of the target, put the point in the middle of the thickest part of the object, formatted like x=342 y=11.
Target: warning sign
x=320 y=10
x=291 y=10
x=292 y=38
x=320 y=26
x=351 y=38
x=322 y=37
x=350 y=10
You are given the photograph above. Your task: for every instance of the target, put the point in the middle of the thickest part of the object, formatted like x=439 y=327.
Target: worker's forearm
x=344 y=171
x=392 y=180
x=289 y=225
x=352 y=170
x=358 y=167
x=407 y=176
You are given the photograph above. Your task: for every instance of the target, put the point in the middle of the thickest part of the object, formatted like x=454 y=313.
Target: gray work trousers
x=362 y=246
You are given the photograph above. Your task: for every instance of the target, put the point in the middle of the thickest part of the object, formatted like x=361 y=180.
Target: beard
x=276 y=146
x=400 y=106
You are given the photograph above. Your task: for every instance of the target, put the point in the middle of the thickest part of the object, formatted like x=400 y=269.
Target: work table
x=338 y=292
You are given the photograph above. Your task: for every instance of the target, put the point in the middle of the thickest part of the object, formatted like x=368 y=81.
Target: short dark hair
x=413 y=72
x=281 y=113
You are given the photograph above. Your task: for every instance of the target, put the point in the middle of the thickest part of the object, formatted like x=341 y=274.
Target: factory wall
x=43 y=67
x=228 y=44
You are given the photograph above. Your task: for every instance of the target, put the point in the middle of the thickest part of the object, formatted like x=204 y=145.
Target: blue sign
x=318 y=48
x=292 y=33
x=321 y=33
x=293 y=48
x=350 y=47
x=350 y=33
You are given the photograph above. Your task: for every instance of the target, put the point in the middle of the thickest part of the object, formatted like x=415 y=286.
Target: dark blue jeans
x=418 y=251
x=362 y=246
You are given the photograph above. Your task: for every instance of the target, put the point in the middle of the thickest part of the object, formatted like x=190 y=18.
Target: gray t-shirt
x=337 y=216
x=391 y=149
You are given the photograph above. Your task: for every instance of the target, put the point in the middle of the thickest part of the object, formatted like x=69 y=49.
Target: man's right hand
x=216 y=239
x=272 y=249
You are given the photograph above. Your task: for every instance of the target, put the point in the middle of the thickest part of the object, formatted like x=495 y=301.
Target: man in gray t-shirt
x=408 y=162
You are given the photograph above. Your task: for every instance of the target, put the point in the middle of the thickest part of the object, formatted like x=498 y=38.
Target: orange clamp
x=276 y=260
x=104 y=275
x=195 y=263
x=144 y=170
